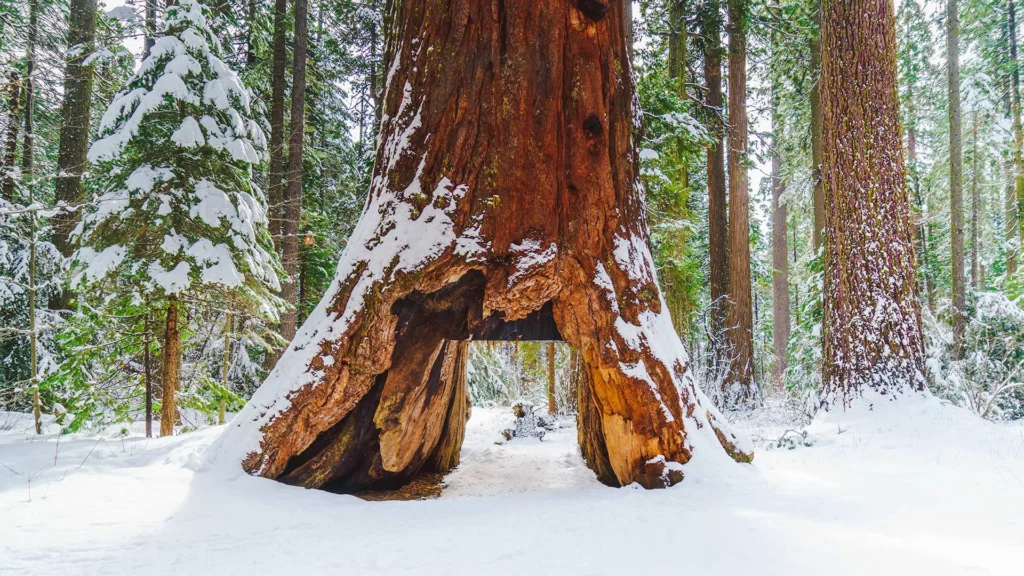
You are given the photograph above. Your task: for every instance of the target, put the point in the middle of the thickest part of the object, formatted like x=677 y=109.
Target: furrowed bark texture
x=293 y=188
x=171 y=370
x=718 y=233
x=275 y=172
x=871 y=329
x=956 y=185
x=738 y=387
x=504 y=205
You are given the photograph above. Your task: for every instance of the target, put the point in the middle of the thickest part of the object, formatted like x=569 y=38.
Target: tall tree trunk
x=293 y=190
x=739 y=388
x=147 y=359
x=872 y=324
x=976 y=272
x=552 y=405
x=818 y=193
x=489 y=217
x=677 y=65
x=1018 y=126
x=27 y=146
x=956 y=190
x=1010 y=213
x=171 y=376
x=277 y=127
x=74 y=127
x=718 y=233
x=780 y=259
x=10 y=152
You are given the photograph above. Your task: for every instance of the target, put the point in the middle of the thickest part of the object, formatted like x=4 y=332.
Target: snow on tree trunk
x=872 y=326
x=956 y=186
x=504 y=204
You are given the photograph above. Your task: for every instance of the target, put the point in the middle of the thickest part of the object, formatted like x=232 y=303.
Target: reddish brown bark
x=871 y=330
x=504 y=205
x=718 y=233
x=818 y=193
x=171 y=374
x=739 y=388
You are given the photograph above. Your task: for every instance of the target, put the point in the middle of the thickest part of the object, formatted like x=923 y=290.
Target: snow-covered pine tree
x=179 y=222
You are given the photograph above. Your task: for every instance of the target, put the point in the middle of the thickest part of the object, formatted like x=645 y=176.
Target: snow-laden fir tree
x=179 y=222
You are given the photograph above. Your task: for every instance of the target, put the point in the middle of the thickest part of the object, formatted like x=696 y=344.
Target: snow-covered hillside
x=925 y=489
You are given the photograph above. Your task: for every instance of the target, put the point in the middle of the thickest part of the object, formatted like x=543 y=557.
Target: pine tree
x=179 y=222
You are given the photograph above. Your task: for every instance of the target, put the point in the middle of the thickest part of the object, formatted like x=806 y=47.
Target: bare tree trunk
x=780 y=261
x=149 y=29
x=171 y=376
x=488 y=218
x=718 y=233
x=277 y=127
x=293 y=191
x=147 y=363
x=10 y=153
x=552 y=407
x=871 y=330
x=956 y=192
x=818 y=194
x=74 y=128
x=1018 y=127
x=1010 y=211
x=27 y=146
x=739 y=388
x=976 y=272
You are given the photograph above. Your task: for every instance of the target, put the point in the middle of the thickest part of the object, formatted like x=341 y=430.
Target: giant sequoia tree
x=872 y=324
x=504 y=204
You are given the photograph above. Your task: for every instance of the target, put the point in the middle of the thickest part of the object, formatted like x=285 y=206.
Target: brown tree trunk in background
x=552 y=405
x=27 y=146
x=147 y=361
x=275 y=173
x=293 y=190
x=925 y=284
x=780 y=263
x=956 y=188
x=74 y=128
x=976 y=272
x=718 y=234
x=677 y=65
x=149 y=28
x=1010 y=213
x=10 y=152
x=818 y=194
x=171 y=376
x=1018 y=126
x=489 y=217
x=871 y=331
x=739 y=388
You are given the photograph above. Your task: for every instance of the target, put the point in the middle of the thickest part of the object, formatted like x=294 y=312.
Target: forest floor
x=923 y=489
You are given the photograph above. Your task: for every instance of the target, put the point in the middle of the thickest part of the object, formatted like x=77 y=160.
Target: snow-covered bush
x=989 y=380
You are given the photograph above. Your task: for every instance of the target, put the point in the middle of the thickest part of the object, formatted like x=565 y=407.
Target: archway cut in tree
x=504 y=204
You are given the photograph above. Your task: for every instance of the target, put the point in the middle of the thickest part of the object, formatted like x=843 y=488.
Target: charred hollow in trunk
x=503 y=206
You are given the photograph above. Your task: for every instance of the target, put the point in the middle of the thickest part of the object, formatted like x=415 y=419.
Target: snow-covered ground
x=917 y=488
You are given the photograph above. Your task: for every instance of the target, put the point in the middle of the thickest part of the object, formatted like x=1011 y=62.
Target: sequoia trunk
x=738 y=387
x=503 y=205
x=872 y=326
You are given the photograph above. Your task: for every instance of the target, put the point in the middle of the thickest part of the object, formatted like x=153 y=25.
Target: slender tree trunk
x=225 y=369
x=10 y=152
x=818 y=194
x=1010 y=211
x=293 y=191
x=33 y=333
x=976 y=273
x=739 y=387
x=171 y=376
x=718 y=234
x=74 y=128
x=676 y=65
x=871 y=331
x=780 y=260
x=1018 y=126
x=277 y=126
x=956 y=192
x=27 y=146
x=147 y=363
x=552 y=405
